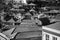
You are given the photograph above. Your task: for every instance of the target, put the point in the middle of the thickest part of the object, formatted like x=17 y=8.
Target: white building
x=22 y=1
x=51 y=32
x=18 y=1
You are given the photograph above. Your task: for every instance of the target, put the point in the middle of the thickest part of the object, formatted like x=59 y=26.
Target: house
x=51 y=32
x=27 y=31
x=7 y=1
x=22 y=1
x=6 y=35
x=11 y=20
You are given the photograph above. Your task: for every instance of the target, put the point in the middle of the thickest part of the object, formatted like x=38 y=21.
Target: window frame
x=54 y=38
x=47 y=37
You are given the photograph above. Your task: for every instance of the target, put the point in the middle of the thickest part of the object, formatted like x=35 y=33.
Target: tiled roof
x=29 y=34
x=25 y=27
x=58 y=17
x=11 y=20
x=19 y=21
x=55 y=26
x=27 y=14
x=26 y=31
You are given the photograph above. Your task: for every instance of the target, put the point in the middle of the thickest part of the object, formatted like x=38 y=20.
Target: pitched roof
x=19 y=21
x=27 y=14
x=31 y=4
x=55 y=26
x=58 y=17
x=11 y=20
x=25 y=28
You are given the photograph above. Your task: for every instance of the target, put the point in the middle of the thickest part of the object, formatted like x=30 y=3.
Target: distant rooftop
x=55 y=26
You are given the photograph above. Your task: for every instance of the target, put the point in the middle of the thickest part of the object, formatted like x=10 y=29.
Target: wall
x=51 y=35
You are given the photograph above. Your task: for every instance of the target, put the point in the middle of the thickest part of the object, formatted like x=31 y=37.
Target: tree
x=1 y=1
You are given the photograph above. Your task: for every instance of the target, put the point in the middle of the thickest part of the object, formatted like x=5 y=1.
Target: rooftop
x=27 y=31
x=25 y=27
x=55 y=26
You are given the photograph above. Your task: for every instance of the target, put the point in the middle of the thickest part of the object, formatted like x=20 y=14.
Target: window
x=47 y=37
x=54 y=38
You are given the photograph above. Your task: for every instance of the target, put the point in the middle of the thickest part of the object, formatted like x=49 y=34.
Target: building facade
x=51 y=32
x=17 y=1
x=22 y=1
